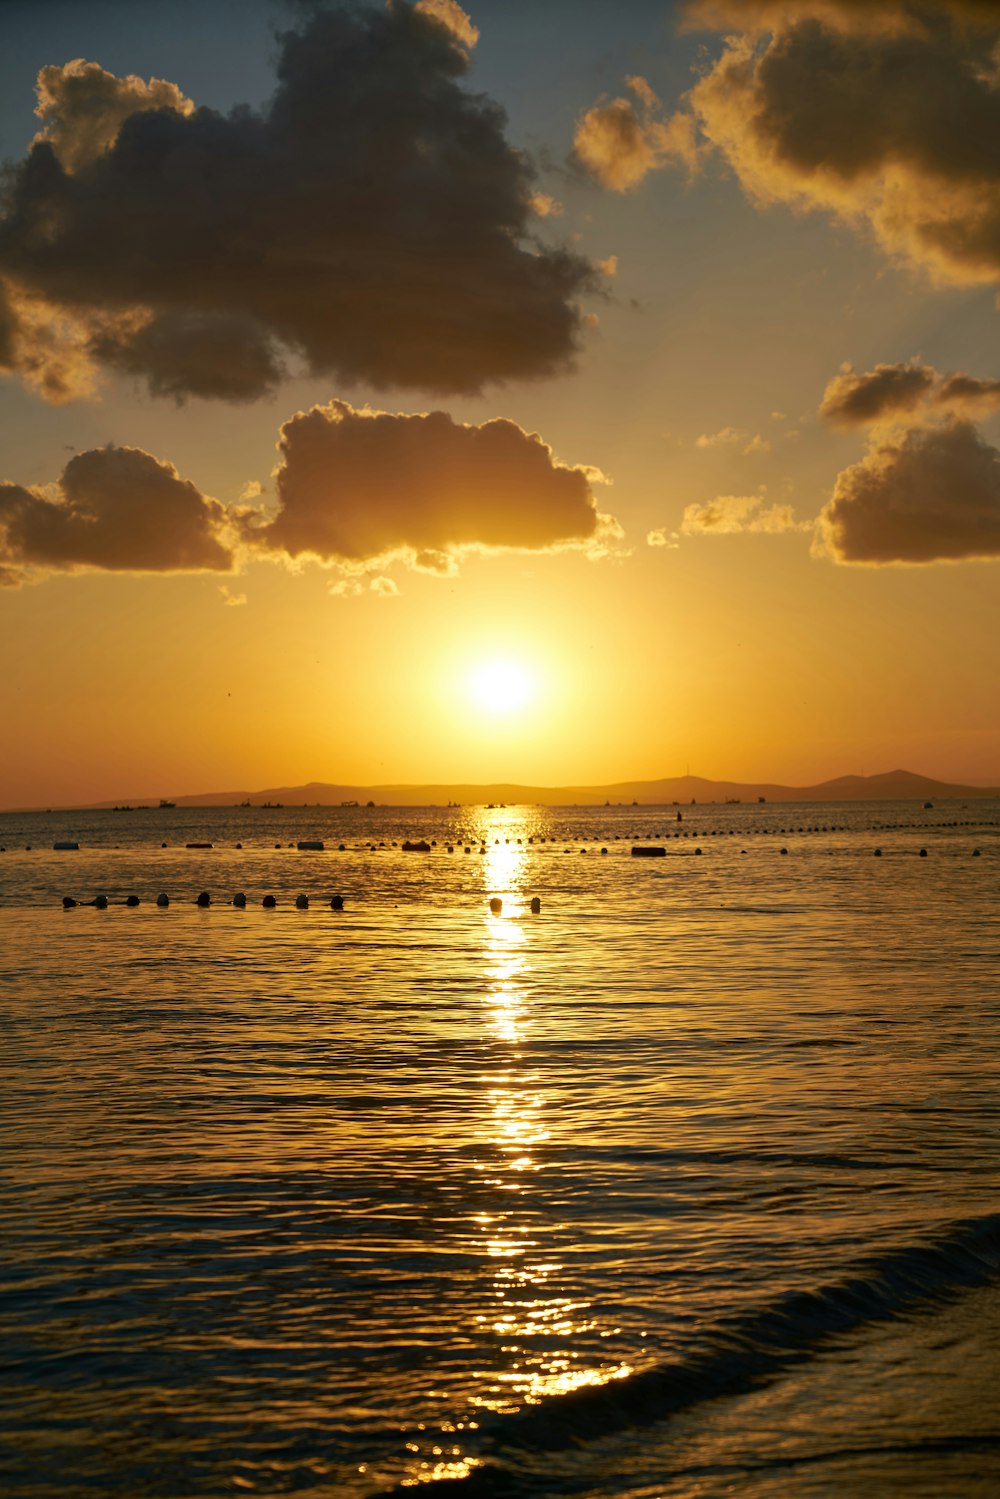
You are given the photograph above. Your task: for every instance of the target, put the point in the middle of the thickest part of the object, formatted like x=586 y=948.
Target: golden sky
x=543 y=393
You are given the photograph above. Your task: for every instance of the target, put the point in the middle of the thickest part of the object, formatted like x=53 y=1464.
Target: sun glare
x=501 y=686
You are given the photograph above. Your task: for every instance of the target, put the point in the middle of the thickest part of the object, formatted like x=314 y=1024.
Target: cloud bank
x=372 y=220
x=356 y=486
x=354 y=489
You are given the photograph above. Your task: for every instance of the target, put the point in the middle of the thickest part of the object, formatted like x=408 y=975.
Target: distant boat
x=350 y=804
x=165 y=805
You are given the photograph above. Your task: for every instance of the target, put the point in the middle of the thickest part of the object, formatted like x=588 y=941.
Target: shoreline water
x=324 y=1203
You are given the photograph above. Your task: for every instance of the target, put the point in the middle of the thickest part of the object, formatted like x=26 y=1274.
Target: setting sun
x=502 y=686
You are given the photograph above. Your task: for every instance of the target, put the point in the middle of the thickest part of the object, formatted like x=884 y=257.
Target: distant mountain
x=893 y=785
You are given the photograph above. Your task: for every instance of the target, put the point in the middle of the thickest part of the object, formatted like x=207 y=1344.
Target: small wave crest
x=736 y=1353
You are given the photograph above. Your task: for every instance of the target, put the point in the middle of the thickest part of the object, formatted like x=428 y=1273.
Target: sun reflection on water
x=533 y=1321
x=534 y=1339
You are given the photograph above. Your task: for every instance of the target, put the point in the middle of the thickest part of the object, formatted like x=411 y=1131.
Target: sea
x=681 y=1182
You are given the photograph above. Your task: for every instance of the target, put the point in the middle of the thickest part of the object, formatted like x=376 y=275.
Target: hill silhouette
x=893 y=785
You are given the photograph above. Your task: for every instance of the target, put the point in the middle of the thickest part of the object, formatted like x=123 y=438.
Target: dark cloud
x=7 y=331
x=929 y=494
x=891 y=392
x=354 y=486
x=885 y=16
x=899 y=126
x=116 y=509
x=373 y=220
x=885 y=113
x=853 y=400
x=195 y=353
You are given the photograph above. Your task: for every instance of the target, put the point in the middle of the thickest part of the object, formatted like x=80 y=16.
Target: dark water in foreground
x=685 y=1186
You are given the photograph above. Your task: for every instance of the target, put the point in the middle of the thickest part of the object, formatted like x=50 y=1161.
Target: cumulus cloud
x=886 y=114
x=372 y=221
x=732 y=514
x=621 y=141
x=925 y=494
x=879 y=17
x=115 y=509
x=355 y=486
x=892 y=392
x=83 y=108
x=661 y=537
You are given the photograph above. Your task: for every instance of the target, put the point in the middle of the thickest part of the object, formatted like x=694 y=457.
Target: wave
x=736 y=1353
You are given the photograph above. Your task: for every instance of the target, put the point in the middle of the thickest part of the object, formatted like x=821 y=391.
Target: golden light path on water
x=534 y=1323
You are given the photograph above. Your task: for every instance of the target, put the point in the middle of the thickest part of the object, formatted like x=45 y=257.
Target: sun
x=502 y=686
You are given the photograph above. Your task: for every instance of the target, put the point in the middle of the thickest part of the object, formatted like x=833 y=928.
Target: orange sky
x=494 y=398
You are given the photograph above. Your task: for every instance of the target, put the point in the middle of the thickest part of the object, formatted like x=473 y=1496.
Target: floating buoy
x=101 y=902
x=131 y=900
x=301 y=902
x=697 y=850
x=68 y=902
x=336 y=902
x=496 y=905
x=923 y=853
x=878 y=853
x=203 y=899
x=536 y=904
x=341 y=848
x=603 y=850
x=163 y=899
x=239 y=900
x=784 y=850
x=310 y=845
x=975 y=853
x=269 y=902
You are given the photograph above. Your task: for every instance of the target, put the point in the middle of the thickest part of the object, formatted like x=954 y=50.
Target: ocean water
x=685 y=1185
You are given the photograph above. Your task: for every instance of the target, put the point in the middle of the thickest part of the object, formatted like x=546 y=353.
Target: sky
x=549 y=393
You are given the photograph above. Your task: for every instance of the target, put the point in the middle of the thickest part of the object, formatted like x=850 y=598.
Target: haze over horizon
x=462 y=394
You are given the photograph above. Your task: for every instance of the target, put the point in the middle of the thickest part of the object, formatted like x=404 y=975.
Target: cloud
x=371 y=221
x=927 y=494
x=880 y=112
x=727 y=437
x=886 y=114
x=732 y=437
x=733 y=514
x=621 y=142
x=878 y=17
x=852 y=400
x=356 y=486
x=83 y=108
x=116 y=509
x=892 y=392
x=661 y=537
x=384 y=587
